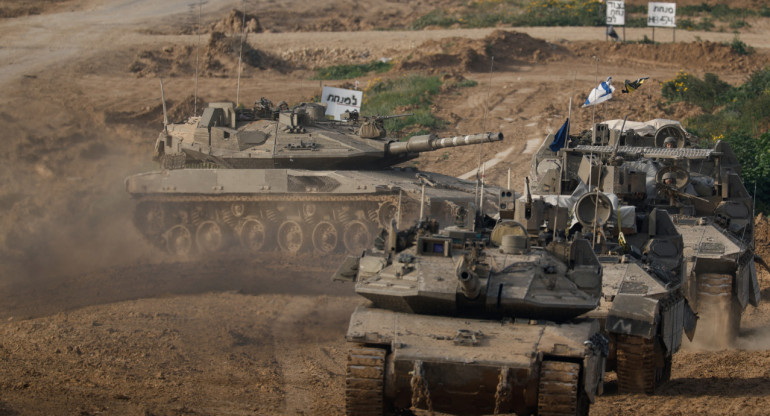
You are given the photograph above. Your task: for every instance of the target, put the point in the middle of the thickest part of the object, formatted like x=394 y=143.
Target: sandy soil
x=93 y=321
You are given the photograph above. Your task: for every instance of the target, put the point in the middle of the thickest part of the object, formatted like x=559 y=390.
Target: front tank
x=474 y=322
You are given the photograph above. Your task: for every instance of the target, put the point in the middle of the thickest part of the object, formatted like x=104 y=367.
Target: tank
x=272 y=178
x=474 y=322
x=655 y=165
x=643 y=309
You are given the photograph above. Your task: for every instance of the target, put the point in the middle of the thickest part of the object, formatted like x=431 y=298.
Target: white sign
x=616 y=13
x=661 y=14
x=339 y=99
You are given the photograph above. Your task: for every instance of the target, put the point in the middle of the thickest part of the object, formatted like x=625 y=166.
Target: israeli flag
x=601 y=93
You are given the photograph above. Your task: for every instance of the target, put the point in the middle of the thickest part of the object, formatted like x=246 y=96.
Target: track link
x=642 y=365
x=559 y=392
x=365 y=381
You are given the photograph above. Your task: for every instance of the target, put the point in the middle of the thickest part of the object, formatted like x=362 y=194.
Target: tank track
x=642 y=365
x=560 y=393
x=186 y=224
x=365 y=381
x=719 y=311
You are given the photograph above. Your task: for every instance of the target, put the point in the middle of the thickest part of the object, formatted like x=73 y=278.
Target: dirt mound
x=27 y=8
x=312 y=58
x=178 y=111
x=218 y=58
x=507 y=47
x=234 y=23
x=706 y=56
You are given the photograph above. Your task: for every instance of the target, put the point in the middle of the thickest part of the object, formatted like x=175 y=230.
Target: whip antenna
x=240 y=54
x=484 y=123
x=165 y=114
x=197 y=58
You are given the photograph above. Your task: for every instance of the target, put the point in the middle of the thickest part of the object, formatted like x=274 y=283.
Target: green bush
x=414 y=92
x=707 y=93
x=739 y=47
x=351 y=71
x=434 y=18
x=717 y=11
x=740 y=117
x=562 y=13
x=705 y=24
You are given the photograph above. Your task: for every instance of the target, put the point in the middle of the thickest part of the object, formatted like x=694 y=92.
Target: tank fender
x=672 y=311
x=690 y=320
x=597 y=350
x=633 y=315
x=755 y=293
x=348 y=270
x=746 y=284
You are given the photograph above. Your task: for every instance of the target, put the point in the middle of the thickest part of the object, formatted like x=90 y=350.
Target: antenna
x=422 y=201
x=240 y=54
x=165 y=114
x=484 y=122
x=481 y=194
x=197 y=57
x=593 y=107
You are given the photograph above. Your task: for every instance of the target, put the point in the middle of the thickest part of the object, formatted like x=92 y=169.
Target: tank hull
x=191 y=211
x=476 y=366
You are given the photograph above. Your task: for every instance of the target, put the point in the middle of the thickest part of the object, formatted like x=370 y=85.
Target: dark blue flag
x=560 y=139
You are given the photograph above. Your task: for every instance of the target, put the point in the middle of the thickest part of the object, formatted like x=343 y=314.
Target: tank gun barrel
x=392 y=116
x=430 y=142
x=470 y=285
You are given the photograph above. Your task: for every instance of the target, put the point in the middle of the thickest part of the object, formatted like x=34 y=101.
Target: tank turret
x=301 y=138
x=480 y=312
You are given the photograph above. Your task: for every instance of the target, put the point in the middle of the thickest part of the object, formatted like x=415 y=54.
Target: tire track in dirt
x=308 y=348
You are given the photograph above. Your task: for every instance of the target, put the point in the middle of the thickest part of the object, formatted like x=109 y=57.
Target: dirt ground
x=94 y=321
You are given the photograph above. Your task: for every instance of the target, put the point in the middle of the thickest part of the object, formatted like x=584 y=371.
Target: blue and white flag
x=560 y=139
x=601 y=93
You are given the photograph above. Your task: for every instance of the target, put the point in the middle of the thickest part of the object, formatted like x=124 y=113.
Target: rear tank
x=272 y=178
x=655 y=165
x=643 y=309
x=468 y=322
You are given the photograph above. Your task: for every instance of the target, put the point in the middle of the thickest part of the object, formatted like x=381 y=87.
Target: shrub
x=351 y=71
x=742 y=120
x=739 y=47
x=414 y=92
x=707 y=93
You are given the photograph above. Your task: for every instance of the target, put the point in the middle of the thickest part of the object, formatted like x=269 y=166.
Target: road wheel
x=325 y=237
x=357 y=237
x=179 y=241
x=291 y=238
x=209 y=237
x=253 y=235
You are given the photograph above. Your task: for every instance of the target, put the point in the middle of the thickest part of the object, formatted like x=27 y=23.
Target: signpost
x=616 y=15
x=661 y=15
x=339 y=99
